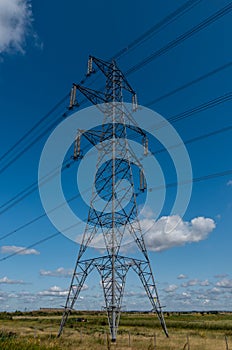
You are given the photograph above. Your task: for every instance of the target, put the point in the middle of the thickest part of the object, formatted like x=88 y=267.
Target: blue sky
x=44 y=47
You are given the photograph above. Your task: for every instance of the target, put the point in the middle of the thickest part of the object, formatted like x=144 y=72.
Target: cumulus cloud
x=6 y=280
x=165 y=233
x=224 y=283
x=182 y=276
x=54 y=291
x=185 y=295
x=190 y=283
x=204 y=283
x=57 y=291
x=171 y=288
x=172 y=231
x=15 y=25
x=12 y=249
x=215 y=290
x=60 y=272
x=196 y=282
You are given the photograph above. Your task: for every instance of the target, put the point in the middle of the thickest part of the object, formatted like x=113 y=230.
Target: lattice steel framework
x=115 y=162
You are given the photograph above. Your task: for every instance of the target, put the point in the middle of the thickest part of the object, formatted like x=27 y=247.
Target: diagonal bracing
x=115 y=184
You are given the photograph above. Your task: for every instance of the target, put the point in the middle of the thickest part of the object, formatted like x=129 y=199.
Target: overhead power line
x=20 y=251
x=37 y=218
x=209 y=104
x=202 y=107
x=34 y=127
x=192 y=82
x=195 y=139
x=32 y=143
x=160 y=25
x=156 y=28
x=192 y=140
x=67 y=95
x=196 y=179
x=219 y=14
x=33 y=187
x=173 y=184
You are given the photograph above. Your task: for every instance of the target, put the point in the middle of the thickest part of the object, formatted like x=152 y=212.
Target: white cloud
x=172 y=231
x=15 y=25
x=6 y=280
x=229 y=183
x=60 y=272
x=165 y=233
x=204 y=283
x=196 y=282
x=182 y=276
x=224 y=283
x=206 y=301
x=56 y=291
x=11 y=249
x=171 y=288
x=190 y=283
x=215 y=290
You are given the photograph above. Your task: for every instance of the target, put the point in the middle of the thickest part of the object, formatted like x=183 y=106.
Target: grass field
x=37 y=330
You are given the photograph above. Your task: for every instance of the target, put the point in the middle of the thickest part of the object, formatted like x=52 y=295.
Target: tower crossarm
x=94 y=96
x=99 y=99
x=106 y=68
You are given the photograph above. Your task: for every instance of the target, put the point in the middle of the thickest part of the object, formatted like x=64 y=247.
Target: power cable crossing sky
x=192 y=91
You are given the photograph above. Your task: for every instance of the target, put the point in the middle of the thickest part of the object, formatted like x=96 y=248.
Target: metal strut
x=114 y=222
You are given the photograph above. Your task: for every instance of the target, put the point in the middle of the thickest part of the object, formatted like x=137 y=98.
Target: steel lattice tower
x=115 y=161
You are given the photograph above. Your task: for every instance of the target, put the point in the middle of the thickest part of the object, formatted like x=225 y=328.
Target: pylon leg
x=82 y=269
x=143 y=269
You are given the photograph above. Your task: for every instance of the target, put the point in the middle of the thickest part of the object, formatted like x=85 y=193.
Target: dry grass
x=98 y=341
x=136 y=332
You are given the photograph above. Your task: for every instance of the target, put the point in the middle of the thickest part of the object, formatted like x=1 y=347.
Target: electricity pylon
x=114 y=165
